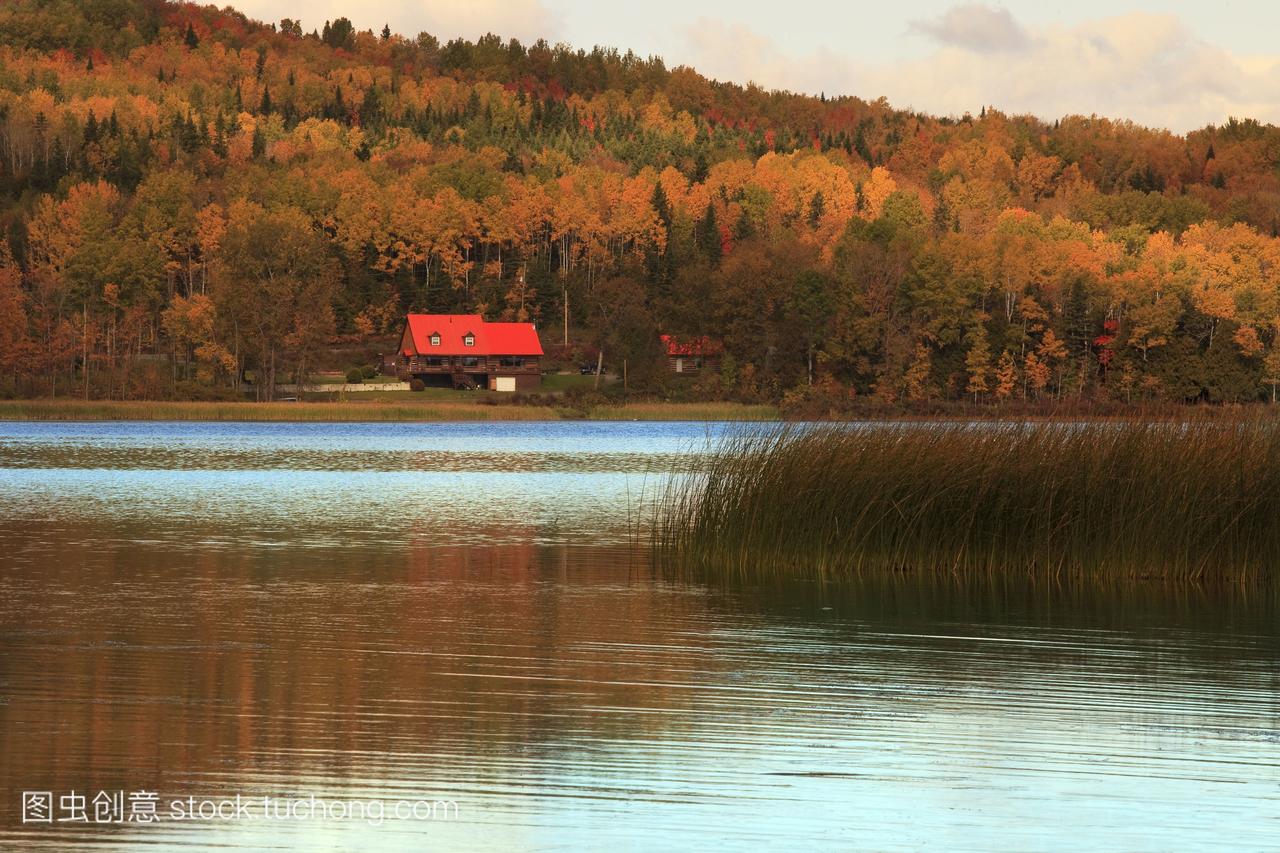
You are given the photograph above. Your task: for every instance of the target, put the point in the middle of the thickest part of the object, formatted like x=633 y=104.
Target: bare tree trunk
x=85 y=339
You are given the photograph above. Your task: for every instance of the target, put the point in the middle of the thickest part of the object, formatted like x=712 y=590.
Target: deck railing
x=466 y=364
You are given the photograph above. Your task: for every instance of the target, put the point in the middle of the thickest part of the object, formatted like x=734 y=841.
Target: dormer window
x=435 y=340
x=468 y=340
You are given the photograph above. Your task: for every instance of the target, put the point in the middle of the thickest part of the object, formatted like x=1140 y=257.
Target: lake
x=460 y=620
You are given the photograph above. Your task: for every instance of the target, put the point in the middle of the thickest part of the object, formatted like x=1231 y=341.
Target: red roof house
x=466 y=351
x=692 y=354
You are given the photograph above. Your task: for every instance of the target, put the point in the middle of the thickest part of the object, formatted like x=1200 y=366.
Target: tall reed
x=1197 y=500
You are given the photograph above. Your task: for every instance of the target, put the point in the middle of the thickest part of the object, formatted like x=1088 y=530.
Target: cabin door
x=679 y=365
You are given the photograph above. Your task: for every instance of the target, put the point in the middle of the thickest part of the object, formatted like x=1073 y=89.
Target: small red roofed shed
x=692 y=354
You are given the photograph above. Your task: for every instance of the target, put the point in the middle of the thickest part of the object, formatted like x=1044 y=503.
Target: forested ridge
x=189 y=197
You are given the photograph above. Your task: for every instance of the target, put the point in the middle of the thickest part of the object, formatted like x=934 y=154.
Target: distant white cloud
x=527 y=20
x=976 y=27
x=1147 y=67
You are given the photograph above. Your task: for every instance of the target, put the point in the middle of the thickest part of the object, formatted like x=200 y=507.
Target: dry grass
x=404 y=407
x=684 y=412
x=1198 y=500
x=79 y=410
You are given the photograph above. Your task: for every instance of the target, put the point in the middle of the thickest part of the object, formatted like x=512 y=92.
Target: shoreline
x=443 y=411
x=353 y=412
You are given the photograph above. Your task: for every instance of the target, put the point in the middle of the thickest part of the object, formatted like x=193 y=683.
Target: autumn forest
x=198 y=205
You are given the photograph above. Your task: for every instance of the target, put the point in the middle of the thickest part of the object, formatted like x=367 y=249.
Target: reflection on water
x=199 y=486
x=378 y=625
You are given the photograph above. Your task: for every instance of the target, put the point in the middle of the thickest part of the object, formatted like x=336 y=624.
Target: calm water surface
x=386 y=612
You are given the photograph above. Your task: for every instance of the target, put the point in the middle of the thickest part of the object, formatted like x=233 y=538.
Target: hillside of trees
x=189 y=197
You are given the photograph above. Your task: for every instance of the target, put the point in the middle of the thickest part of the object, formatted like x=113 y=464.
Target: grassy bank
x=79 y=410
x=684 y=412
x=365 y=410
x=1120 y=499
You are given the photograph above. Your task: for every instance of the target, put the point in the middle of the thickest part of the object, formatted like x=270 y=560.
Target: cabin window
x=469 y=340
x=435 y=340
x=435 y=361
x=511 y=361
x=470 y=361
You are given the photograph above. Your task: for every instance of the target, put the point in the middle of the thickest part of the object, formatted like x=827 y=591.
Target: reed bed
x=1198 y=500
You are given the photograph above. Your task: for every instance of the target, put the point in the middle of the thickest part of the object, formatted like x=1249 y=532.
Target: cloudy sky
x=1177 y=64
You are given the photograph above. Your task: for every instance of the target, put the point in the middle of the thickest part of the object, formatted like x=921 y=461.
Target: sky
x=1179 y=65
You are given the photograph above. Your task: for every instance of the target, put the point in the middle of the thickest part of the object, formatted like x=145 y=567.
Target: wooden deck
x=427 y=365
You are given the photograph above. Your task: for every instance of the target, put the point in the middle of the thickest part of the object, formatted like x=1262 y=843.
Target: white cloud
x=527 y=20
x=1147 y=67
x=976 y=27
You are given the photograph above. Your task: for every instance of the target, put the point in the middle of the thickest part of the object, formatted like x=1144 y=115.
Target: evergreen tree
x=658 y=264
x=708 y=236
x=370 y=107
x=265 y=106
x=860 y=145
x=191 y=39
x=661 y=205
x=1079 y=327
x=341 y=34
x=220 y=135
x=700 y=168
x=190 y=139
x=817 y=206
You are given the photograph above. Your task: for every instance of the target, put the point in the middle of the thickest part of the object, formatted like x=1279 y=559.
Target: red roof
x=490 y=338
x=691 y=346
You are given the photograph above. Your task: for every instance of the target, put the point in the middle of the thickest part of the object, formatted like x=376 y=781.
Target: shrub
x=826 y=398
x=355 y=376
x=416 y=384
x=578 y=402
x=368 y=371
